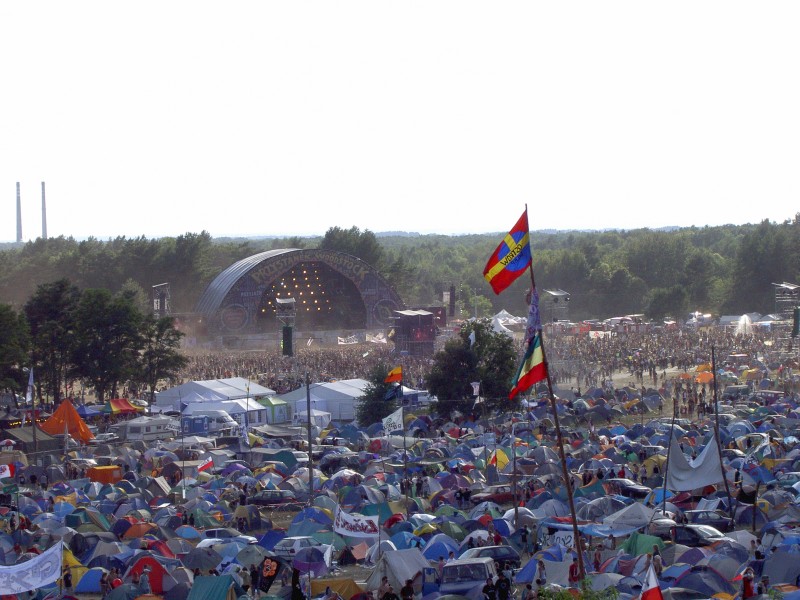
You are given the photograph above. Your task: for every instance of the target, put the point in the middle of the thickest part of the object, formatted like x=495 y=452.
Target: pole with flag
x=396 y=376
x=514 y=250
x=29 y=400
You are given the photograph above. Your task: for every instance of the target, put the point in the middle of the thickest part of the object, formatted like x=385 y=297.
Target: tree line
x=68 y=335
x=725 y=269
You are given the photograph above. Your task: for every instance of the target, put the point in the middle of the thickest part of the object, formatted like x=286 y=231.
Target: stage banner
x=32 y=574
x=355 y=525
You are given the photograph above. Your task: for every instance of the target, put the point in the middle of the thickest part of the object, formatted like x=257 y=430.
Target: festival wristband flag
x=532 y=370
x=395 y=375
x=510 y=258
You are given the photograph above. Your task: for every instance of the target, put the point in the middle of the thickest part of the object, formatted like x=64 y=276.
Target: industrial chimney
x=44 y=215
x=19 y=216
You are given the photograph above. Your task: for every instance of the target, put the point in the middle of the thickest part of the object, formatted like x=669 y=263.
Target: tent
x=346 y=588
x=218 y=587
x=66 y=419
x=121 y=406
x=398 y=566
x=212 y=390
x=633 y=515
x=339 y=398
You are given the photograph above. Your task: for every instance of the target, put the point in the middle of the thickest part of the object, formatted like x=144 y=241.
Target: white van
x=463 y=575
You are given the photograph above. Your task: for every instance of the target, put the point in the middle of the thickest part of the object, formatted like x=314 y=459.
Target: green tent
x=219 y=587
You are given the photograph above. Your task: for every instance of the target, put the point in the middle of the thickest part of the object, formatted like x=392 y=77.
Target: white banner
x=394 y=422
x=348 y=340
x=377 y=339
x=355 y=525
x=32 y=574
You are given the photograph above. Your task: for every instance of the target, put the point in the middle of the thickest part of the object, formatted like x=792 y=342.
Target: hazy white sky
x=287 y=118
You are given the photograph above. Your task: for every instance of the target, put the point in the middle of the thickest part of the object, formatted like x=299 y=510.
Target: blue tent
x=88 y=411
x=269 y=539
x=90 y=582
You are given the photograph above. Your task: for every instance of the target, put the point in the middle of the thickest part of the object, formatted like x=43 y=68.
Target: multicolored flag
x=510 y=258
x=394 y=376
x=532 y=370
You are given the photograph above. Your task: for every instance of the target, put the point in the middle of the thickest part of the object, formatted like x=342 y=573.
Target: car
x=499 y=494
x=272 y=497
x=227 y=534
x=715 y=518
x=698 y=535
x=788 y=480
x=662 y=527
x=500 y=554
x=626 y=487
x=288 y=547
x=461 y=576
x=104 y=438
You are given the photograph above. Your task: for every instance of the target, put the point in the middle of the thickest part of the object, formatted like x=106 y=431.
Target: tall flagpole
x=560 y=441
x=716 y=432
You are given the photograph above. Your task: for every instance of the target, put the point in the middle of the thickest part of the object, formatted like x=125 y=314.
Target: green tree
x=673 y=301
x=160 y=357
x=107 y=340
x=353 y=241
x=374 y=405
x=50 y=313
x=490 y=360
x=14 y=348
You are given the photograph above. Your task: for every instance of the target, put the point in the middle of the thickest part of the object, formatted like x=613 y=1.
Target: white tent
x=319 y=418
x=633 y=515
x=339 y=398
x=398 y=566
x=211 y=390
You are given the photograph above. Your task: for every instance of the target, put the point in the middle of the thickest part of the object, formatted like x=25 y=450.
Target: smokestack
x=44 y=215
x=19 y=216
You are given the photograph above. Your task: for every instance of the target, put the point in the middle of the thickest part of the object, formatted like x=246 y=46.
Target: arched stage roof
x=241 y=299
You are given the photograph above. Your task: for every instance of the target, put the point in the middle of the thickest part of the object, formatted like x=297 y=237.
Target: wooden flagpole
x=559 y=439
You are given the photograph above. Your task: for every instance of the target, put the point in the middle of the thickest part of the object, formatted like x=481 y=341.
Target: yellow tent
x=68 y=561
x=703 y=367
x=346 y=588
x=499 y=458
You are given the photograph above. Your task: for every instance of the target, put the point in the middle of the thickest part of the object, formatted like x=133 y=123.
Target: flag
x=476 y=388
x=394 y=422
x=206 y=465
x=29 y=391
x=471 y=338
x=510 y=258
x=395 y=375
x=650 y=589
x=532 y=369
x=534 y=324
x=6 y=471
x=395 y=391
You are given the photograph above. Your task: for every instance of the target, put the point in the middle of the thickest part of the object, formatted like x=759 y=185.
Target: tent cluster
x=457 y=486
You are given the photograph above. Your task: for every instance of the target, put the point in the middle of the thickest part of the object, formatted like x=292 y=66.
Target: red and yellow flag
x=394 y=376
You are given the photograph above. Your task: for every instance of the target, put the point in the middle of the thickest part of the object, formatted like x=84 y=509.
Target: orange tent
x=67 y=420
x=704 y=377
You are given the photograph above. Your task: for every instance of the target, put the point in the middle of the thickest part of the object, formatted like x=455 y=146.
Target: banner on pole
x=355 y=525
x=32 y=574
x=394 y=422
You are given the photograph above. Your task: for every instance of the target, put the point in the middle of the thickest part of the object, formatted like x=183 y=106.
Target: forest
x=725 y=269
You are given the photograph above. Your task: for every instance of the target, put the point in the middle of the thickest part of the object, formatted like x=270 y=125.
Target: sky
x=287 y=118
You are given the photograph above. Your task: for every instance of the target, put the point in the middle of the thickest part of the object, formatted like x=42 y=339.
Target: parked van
x=463 y=575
